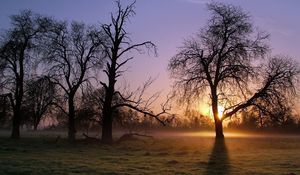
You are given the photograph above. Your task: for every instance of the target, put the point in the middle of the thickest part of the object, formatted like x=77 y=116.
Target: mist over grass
x=166 y=153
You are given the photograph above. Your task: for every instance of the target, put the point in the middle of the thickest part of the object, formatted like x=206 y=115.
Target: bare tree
x=39 y=96
x=117 y=49
x=223 y=59
x=17 y=53
x=71 y=54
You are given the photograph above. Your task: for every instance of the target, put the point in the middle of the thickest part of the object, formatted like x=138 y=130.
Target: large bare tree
x=17 y=53
x=223 y=59
x=71 y=53
x=117 y=48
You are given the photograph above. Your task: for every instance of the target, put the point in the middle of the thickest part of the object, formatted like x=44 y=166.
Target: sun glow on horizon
x=207 y=110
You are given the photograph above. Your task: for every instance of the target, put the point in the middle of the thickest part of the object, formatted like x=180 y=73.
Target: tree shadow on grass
x=218 y=163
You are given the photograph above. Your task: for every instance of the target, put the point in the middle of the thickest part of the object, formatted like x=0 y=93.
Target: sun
x=220 y=111
x=206 y=110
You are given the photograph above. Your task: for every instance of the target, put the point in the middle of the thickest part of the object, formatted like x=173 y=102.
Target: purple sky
x=167 y=23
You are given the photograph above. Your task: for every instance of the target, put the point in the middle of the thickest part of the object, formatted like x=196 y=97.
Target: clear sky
x=167 y=23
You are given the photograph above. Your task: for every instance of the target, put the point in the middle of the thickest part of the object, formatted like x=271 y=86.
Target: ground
x=174 y=154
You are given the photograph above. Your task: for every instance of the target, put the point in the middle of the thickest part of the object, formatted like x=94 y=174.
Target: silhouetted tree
x=117 y=49
x=89 y=113
x=223 y=59
x=71 y=53
x=92 y=101
x=17 y=53
x=39 y=96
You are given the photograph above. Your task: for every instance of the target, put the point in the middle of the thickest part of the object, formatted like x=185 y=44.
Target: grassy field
x=183 y=154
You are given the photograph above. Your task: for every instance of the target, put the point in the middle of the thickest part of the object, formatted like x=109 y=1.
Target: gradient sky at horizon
x=167 y=23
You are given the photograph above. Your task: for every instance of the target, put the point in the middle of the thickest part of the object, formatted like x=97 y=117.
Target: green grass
x=174 y=155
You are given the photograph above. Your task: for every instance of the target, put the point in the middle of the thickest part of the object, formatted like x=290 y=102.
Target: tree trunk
x=17 y=113
x=18 y=94
x=219 y=129
x=35 y=125
x=16 y=125
x=107 y=127
x=35 y=122
x=217 y=118
x=107 y=106
x=107 y=118
x=71 y=131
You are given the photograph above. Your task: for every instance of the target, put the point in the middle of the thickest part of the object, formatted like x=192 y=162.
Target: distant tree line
x=254 y=120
